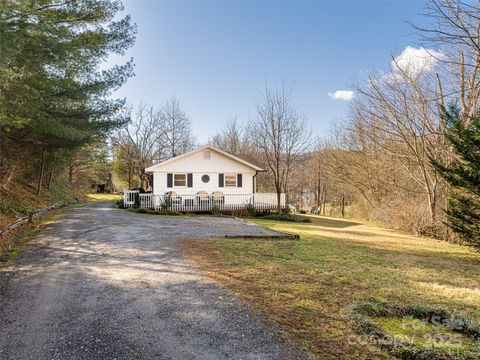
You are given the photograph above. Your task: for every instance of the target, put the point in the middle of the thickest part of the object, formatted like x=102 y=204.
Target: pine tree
x=463 y=175
x=54 y=97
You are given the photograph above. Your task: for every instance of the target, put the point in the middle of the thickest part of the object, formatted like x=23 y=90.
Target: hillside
x=21 y=199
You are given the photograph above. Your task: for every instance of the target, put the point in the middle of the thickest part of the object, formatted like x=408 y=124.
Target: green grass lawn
x=103 y=197
x=425 y=334
x=308 y=286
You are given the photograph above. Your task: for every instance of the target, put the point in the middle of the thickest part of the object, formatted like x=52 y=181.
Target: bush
x=6 y=208
x=215 y=210
x=251 y=210
x=408 y=214
x=166 y=204
x=365 y=313
x=137 y=202
x=155 y=212
x=285 y=217
x=119 y=204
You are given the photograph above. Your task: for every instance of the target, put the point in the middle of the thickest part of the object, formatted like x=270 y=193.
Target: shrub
x=137 y=202
x=6 y=208
x=285 y=217
x=215 y=210
x=119 y=204
x=407 y=214
x=251 y=210
x=166 y=204
x=364 y=314
x=154 y=212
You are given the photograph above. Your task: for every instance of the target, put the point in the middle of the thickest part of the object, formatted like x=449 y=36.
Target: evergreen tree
x=54 y=97
x=90 y=165
x=463 y=175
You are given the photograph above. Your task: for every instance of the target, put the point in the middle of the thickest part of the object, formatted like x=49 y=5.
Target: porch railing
x=196 y=202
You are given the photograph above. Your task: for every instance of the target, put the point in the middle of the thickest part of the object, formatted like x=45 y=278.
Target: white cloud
x=416 y=60
x=342 y=95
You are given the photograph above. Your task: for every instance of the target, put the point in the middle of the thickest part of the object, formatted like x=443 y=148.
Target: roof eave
x=155 y=167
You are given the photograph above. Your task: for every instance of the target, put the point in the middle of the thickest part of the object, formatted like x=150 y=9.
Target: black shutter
x=169 y=180
x=189 y=180
x=220 y=180
x=239 y=180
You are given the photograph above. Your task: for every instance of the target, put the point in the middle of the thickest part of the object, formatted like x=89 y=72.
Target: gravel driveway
x=103 y=283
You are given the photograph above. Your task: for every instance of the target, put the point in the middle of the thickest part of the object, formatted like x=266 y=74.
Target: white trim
x=155 y=167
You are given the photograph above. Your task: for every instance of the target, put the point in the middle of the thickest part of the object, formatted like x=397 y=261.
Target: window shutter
x=220 y=180
x=169 y=180
x=189 y=180
x=239 y=180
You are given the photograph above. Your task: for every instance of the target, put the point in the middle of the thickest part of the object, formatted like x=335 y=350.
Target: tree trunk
x=342 y=205
x=42 y=168
x=49 y=180
x=278 y=189
x=324 y=201
x=432 y=203
x=318 y=194
x=285 y=191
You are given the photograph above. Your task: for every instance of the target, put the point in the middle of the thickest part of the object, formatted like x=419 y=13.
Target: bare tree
x=398 y=115
x=395 y=126
x=281 y=134
x=177 y=137
x=231 y=138
x=455 y=31
x=319 y=175
x=354 y=161
x=139 y=143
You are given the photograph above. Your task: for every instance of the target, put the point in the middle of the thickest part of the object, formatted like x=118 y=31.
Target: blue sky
x=215 y=56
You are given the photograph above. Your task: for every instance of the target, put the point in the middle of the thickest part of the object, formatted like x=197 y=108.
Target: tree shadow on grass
x=332 y=222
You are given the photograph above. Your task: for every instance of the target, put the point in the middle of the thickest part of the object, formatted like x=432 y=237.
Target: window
x=205 y=178
x=179 y=179
x=230 y=180
x=206 y=155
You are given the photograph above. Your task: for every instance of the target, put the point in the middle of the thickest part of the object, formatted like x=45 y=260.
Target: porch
x=203 y=201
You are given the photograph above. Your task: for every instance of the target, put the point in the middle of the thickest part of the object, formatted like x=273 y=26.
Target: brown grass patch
x=307 y=287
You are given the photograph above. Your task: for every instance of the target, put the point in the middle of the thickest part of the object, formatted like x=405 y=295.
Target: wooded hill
x=55 y=109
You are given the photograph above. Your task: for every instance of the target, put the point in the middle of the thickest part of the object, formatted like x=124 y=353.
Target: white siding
x=160 y=184
x=198 y=166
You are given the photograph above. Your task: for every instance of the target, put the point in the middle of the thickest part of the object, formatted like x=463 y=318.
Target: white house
x=201 y=179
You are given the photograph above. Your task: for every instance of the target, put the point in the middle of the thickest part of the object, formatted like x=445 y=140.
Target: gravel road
x=103 y=283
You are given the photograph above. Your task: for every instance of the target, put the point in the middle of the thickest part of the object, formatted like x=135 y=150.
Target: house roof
x=209 y=147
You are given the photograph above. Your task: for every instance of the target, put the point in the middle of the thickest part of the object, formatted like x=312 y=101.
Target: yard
x=103 y=197
x=309 y=286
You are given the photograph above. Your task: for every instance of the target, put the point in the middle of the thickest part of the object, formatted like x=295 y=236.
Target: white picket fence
x=196 y=203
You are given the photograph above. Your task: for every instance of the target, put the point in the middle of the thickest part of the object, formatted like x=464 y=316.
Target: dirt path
x=103 y=283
